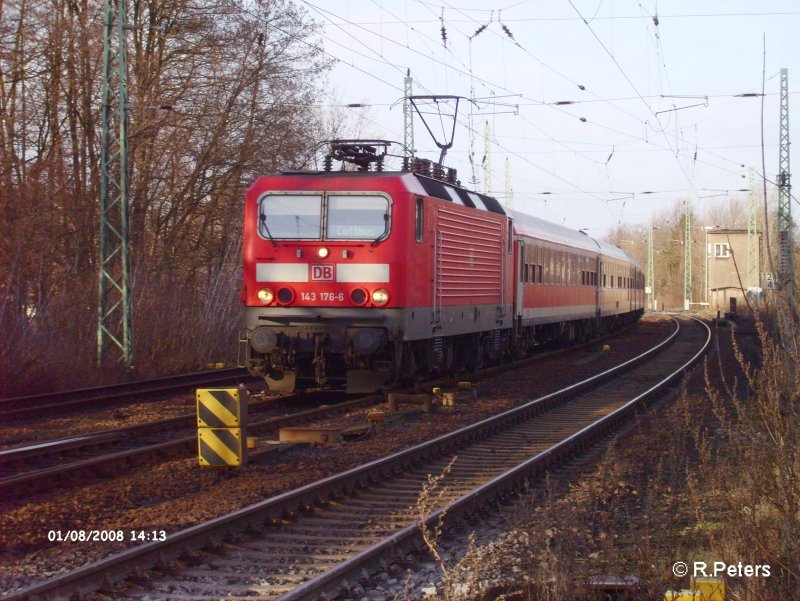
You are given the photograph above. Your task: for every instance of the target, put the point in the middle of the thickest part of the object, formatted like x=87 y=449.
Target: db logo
x=322 y=273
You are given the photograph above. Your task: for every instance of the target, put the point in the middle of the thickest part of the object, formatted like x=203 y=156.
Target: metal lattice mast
x=650 y=269
x=785 y=246
x=752 y=234
x=114 y=328
x=509 y=191
x=487 y=160
x=687 y=257
x=408 y=117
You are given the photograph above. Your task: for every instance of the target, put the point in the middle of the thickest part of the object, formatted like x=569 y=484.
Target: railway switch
x=222 y=426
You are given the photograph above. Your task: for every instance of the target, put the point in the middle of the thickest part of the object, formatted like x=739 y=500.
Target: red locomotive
x=369 y=277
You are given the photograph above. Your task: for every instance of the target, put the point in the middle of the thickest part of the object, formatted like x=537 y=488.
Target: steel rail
x=21 y=405
x=47 y=403
x=145 y=556
x=34 y=479
x=409 y=539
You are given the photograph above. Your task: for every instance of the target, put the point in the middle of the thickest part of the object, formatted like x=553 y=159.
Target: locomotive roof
x=429 y=185
x=523 y=222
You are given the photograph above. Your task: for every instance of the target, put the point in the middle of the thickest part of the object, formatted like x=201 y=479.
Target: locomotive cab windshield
x=324 y=216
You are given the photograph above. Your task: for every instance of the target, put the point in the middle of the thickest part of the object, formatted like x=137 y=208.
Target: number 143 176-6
x=329 y=297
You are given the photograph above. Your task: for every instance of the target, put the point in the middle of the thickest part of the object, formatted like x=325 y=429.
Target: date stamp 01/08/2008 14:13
x=106 y=535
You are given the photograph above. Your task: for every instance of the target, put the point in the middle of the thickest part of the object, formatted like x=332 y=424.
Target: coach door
x=519 y=282
x=598 y=290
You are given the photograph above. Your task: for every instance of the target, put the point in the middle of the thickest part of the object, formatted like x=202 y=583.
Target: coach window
x=420 y=220
x=528 y=261
x=290 y=216
x=357 y=217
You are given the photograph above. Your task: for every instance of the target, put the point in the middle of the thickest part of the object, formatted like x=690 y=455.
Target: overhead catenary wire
x=583 y=88
x=661 y=17
x=400 y=69
x=383 y=58
x=675 y=151
x=471 y=129
x=636 y=91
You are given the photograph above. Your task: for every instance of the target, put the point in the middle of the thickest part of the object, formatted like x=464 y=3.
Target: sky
x=605 y=111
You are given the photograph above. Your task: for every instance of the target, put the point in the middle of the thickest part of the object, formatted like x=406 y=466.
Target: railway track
x=314 y=542
x=47 y=464
x=52 y=403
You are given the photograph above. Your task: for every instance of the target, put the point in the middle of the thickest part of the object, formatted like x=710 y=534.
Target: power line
x=636 y=91
x=601 y=18
x=386 y=61
x=675 y=151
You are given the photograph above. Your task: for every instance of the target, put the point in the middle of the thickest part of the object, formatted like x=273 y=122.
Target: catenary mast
x=114 y=327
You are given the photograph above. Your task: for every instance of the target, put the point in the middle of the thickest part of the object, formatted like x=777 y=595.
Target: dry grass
x=713 y=476
x=752 y=512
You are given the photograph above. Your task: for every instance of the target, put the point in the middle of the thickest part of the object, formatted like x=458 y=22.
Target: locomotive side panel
x=471 y=263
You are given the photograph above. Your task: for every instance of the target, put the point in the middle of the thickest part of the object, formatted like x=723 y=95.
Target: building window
x=722 y=250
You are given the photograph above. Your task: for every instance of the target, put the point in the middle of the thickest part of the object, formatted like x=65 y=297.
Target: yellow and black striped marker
x=222 y=426
x=220 y=447
x=218 y=408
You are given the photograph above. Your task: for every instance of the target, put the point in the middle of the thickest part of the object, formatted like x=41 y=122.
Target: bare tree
x=220 y=93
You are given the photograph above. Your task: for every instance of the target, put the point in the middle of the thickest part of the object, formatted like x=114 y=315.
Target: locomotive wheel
x=449 y=356
x=410 y=364
x=476 y=357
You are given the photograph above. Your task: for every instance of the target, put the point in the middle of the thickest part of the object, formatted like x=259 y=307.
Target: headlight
x=323 y=252
x=380 y=297
x=266 y=296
